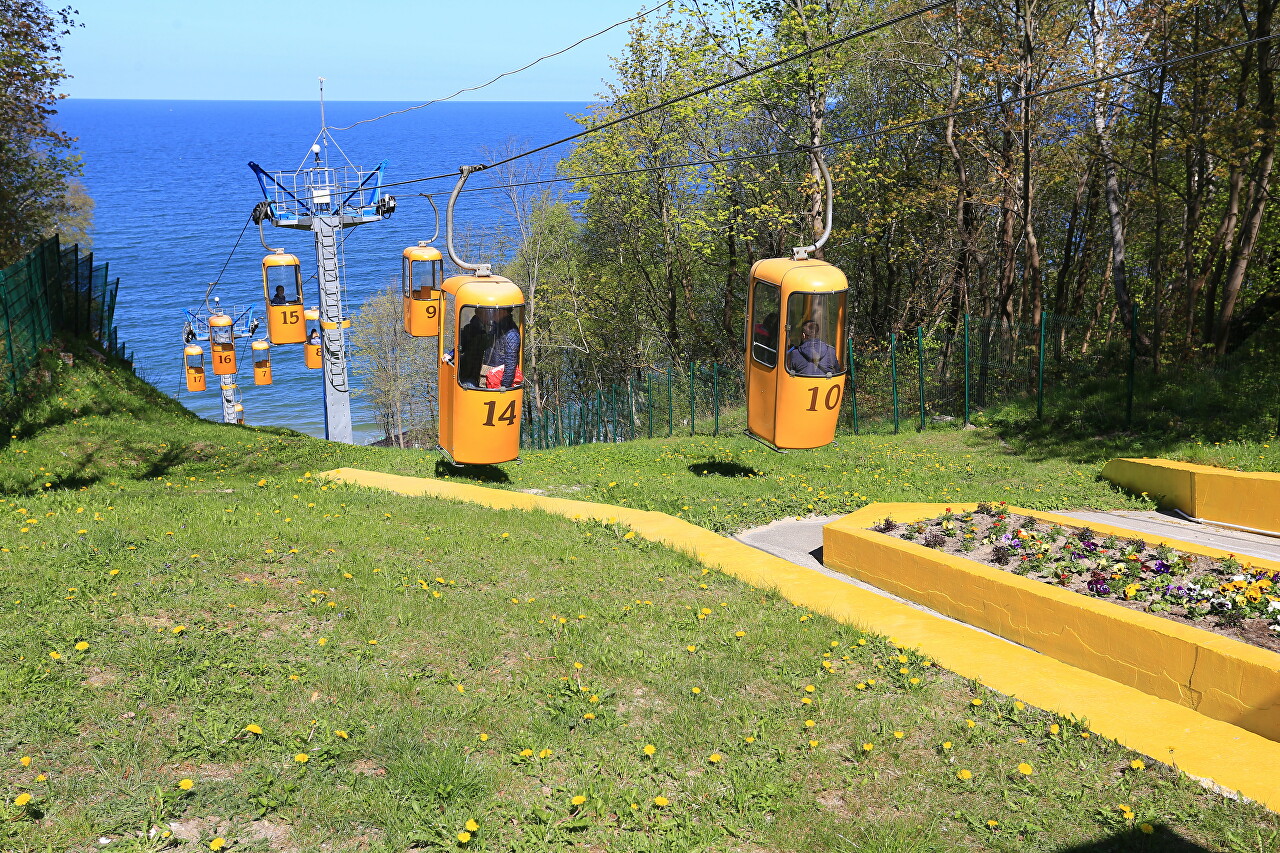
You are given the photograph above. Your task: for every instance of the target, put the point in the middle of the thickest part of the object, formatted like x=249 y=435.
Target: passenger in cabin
x=504 y=351
x=473 y=341
x=279 y=298
x=765 y=336
x=313 y=337
x=812 y=356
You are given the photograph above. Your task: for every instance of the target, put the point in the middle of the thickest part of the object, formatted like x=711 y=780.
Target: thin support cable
x=509 y=73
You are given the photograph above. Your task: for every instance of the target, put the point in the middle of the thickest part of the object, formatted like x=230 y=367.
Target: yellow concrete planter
x=1244 y=498
x=1219 y=677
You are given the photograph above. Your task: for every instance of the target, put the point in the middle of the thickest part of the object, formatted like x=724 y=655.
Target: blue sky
x=375 y=50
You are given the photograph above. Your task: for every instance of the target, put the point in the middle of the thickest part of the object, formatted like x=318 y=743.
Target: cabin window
x=485 y=344
x=815 y=334
x=766 y=303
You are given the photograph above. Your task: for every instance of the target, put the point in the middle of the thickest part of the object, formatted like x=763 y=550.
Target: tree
x=396 y=371
x=36 y=160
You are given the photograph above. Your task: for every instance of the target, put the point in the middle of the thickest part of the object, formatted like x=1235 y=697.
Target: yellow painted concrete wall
x=1249 y=499
x=1217 y=676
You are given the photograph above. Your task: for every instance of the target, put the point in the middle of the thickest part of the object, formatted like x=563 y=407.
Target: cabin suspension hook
x=801 y=253
x=479 y=269
x=436 y=211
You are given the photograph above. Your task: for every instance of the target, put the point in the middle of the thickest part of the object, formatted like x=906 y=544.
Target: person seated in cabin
x=473 y=341
x=503 y=355
x=313 y=337
x=279 y=298
x=764 y=338
x=812 y=356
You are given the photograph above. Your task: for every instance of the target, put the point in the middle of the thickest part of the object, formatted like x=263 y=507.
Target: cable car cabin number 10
x=795 y=352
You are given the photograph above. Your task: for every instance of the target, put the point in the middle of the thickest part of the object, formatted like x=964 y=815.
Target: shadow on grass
x=717 y=468
x=474 y=473
x=1161 y=838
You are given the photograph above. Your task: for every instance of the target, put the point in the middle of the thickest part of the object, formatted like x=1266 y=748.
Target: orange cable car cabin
x=422 y=272
x=481 y=337
x=311 y=351
x=261 y=363
x=193 y=363
x=282 y=287
x=222 y=341
x=795 y=352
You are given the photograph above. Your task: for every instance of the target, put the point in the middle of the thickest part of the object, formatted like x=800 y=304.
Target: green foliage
x=36 y=163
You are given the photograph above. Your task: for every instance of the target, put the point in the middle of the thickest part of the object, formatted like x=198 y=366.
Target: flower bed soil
x=1225 y=596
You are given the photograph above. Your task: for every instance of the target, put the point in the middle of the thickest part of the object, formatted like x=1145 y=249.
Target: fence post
x=1133 y=363
x=966 y=369
x=648 y=397
x=853 y=388
x=671 y=400
x=631 y=411
x=1040 y=373
x=692 y=366
x=920 y=365
x=715 y=396
x=893 y=372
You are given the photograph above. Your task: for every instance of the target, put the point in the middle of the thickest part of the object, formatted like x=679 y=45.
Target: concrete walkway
x=1237 y=542
x=799 y=541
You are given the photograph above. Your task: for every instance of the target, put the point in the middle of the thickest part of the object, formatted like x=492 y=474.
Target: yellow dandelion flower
x=302 y=758
x=546 y=753
x=1054 y=728
x=178 y=629
x=484 y=736
x=1025 y=769
x=577 y=665
x=691 y=648
x=323 y=641
x=739 y=634
x=1146 y=828
x=964 y=775
x=526 y=753
x=186 y=784
x=1137 y=764
x=661 y=802
x=899 y=735
x=217 y=843
x=714 y=758
x=975 y=702
x=867 y=747
x=1019 y=706
x=749 y=739
x=809 y=688
x=946 y=744
x=472 y=826
x=340 y=733
x=25 y=761
x=578 y=800
x=993 y=823
x=650 y=749
x=461 y=688
x=464 y=837
x=253 y=729
x=806 y=701
x=588 y=716
x=82 y=646
x=55 y=656
x=808 y=724
x=22 y=799
x=696 y=691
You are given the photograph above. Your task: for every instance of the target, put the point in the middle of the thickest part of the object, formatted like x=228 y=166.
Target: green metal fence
x=53 y=290
x=915 y=379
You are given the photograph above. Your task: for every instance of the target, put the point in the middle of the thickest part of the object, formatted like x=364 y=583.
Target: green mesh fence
x=50 y=291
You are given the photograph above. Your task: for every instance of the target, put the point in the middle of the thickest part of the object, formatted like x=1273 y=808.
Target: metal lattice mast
x=325 y=199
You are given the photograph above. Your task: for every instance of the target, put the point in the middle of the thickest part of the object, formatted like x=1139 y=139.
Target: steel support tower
x=324 y=200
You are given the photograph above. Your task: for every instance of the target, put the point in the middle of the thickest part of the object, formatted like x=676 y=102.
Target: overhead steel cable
x=884 y=131
x=614 y=26
x=702 y=90
x=226 y=263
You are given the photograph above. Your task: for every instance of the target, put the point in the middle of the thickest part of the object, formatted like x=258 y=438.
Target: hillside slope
x=199 y=641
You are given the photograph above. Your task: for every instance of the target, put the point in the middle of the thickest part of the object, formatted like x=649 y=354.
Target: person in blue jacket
x=812 y=356
x=504 y=351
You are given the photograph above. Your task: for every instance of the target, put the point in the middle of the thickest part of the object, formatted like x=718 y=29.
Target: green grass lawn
x=353 y=670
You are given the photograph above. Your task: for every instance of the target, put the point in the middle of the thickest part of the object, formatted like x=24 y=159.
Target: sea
x=173 y=190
